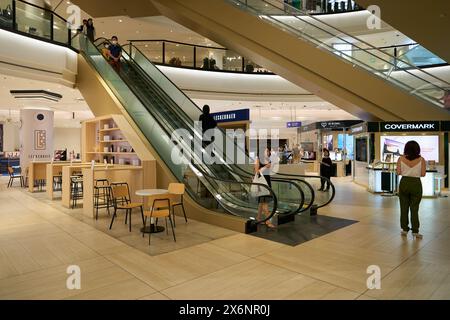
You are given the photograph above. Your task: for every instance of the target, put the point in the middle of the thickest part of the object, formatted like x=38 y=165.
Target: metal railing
x=29 y=19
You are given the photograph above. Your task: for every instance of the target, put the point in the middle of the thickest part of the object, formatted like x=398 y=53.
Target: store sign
x=357 y=129
x=337 y=124
x=232 y=116
x=410 y=126
x=295 y=124
x=331 y=125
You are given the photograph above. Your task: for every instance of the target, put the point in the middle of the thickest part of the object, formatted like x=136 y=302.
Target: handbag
x=257 y=190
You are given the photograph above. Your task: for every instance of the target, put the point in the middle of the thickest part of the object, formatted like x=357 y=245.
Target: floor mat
x=304 y=229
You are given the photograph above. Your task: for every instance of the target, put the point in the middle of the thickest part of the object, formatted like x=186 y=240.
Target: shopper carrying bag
x=263 y=167
x=257 y=190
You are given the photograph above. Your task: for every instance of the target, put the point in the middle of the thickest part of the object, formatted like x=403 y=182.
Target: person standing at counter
x=411 y=166
x=326 y=167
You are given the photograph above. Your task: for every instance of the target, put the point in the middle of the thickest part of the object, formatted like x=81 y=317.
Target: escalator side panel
x=102 y=101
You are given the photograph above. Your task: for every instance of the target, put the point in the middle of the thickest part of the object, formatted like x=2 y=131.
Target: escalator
x=432 y=29
x=158 y=108
x=317 y=57
x=307 y=183
x=190 y=113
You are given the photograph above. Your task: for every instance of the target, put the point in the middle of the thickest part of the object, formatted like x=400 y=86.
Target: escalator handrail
x=350 y=36
x=275 y=201
x=298 y=179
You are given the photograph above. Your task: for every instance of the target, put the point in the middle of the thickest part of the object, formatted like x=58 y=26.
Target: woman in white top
x=411 y=166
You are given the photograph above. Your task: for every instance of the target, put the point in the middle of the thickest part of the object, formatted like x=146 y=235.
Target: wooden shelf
x=110 y=129
x=113 y=141
x=113 y=153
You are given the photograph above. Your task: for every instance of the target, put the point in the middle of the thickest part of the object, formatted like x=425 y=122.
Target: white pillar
x=36 y=136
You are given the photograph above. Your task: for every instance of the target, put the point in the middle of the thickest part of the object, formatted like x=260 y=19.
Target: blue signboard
x=295 y=124
x=232 y=116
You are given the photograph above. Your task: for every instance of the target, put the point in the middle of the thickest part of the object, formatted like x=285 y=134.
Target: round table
x=148 y=193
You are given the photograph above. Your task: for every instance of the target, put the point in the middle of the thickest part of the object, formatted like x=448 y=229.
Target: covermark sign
x=427 y=126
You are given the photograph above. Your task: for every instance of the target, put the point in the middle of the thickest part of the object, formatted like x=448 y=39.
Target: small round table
x=148 y=193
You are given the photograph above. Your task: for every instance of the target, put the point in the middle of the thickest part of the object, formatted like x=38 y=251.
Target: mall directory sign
x=294 y=124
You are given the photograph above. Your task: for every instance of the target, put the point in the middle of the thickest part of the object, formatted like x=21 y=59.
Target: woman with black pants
x=411 y=166
x=326 y=167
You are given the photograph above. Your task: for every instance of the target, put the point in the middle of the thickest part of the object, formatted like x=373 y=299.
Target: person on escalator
x=82 y=31
x=208 y=123
x=90 y=30
x=326 y=167
x=115 y=53
x=263 y=166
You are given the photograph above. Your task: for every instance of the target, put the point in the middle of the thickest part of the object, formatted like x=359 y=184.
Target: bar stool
x=102 y=196
x=76 y=189
x=57 y=182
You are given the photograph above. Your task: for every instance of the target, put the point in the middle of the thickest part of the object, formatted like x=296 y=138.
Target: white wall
x=33 y=59
x=11 y=138
x=67 y=138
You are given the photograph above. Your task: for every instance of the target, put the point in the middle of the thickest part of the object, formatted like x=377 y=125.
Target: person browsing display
x=411 y=166
x=326 y=169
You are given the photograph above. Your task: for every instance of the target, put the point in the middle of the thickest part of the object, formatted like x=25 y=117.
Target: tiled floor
x=39 y=240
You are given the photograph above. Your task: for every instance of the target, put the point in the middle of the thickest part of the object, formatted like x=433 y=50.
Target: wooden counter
x=67 y=172
x=56 y=169
x=138 y=178
x=38 y=171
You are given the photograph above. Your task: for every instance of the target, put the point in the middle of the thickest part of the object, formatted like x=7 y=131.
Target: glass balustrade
x=352 y=50
x=30 y=19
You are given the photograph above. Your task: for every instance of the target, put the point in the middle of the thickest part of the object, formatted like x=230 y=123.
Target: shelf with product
x=119 y=155
x=106 y=142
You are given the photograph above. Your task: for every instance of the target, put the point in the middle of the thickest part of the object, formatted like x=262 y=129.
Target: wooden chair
x=13 y=176
x=159 y=207
x=178 y=190
x=122 y=201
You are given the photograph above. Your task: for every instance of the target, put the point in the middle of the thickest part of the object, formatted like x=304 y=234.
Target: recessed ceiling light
x=120 y=20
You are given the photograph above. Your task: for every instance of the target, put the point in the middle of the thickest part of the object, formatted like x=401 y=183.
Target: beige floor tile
x=247 y=245
x=155 y=296
x=335 y=263
x=130 y=289
x=248 y=280
x=99 y=242
x=423 y=276
x=176 y=267
x=51 y=283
